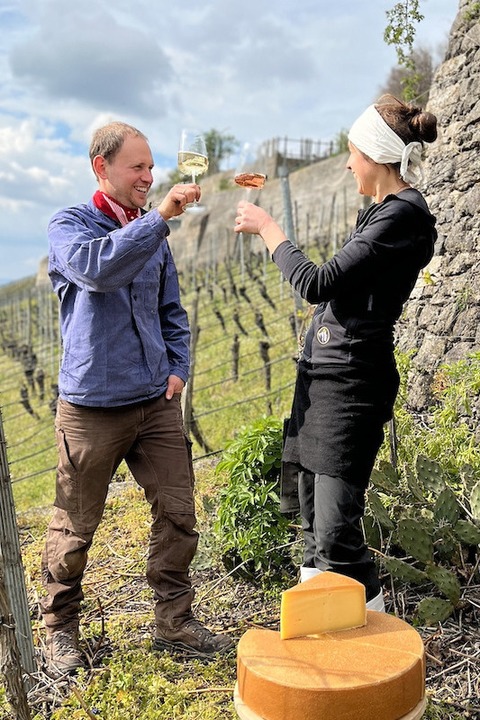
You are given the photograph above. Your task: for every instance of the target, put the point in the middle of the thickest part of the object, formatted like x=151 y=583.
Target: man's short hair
x=108 y=140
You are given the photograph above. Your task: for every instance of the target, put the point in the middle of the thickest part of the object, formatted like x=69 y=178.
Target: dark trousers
x=331 y=510
x=92 y=442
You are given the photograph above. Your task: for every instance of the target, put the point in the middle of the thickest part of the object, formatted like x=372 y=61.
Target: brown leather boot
x=63 y=654
x=191 y=638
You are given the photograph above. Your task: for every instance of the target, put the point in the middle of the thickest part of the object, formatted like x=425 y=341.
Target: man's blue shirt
x=123 y=327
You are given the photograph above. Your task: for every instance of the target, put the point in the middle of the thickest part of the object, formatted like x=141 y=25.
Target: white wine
x=192 y=163
x=250 y=180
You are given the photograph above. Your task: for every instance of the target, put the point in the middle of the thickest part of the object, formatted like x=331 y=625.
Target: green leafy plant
x=255 y=536
x=400 y=32
x=446 y=433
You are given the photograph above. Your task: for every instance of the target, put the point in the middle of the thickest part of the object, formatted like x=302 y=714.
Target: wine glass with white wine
x=192 y=158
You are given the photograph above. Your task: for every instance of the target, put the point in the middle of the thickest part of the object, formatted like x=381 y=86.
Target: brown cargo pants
x=92 y=442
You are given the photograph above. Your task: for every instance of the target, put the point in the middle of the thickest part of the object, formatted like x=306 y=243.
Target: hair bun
x=423 y=124
x=410 y=122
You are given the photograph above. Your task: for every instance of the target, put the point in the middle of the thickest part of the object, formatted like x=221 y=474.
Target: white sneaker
x=377 y=603
x=308 y=572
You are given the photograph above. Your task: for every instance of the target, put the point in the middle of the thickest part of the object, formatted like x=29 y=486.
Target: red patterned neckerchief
x=114 y=209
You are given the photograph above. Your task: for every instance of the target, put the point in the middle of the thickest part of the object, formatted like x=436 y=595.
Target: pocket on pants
x=179 y=500
x=189 y=446
x=67 y=484
x=179 y=507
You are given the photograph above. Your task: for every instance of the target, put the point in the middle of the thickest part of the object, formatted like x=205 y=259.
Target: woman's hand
x=180 y=195
x=253 y=219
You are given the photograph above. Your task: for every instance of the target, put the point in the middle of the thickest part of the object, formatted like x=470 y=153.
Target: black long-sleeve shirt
x=347 y=380
x=360 y=291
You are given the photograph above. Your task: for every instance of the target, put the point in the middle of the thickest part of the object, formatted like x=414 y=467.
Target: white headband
x=372 y=136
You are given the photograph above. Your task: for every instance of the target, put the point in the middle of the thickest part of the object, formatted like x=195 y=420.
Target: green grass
x=132 y=681
x=245 y=399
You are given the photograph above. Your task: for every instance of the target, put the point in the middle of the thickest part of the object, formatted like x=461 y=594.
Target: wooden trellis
x=17 y=656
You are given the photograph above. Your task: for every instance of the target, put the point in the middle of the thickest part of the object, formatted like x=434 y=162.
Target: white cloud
x=92 y=58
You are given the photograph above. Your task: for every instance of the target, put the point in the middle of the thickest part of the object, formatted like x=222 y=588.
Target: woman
x=347 y=379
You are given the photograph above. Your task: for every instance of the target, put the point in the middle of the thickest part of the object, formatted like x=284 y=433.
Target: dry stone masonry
x=442 y=319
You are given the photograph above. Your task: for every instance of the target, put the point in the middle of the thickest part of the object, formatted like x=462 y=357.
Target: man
x=125 y=363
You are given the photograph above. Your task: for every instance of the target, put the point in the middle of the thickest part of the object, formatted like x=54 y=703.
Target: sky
x=254 y=69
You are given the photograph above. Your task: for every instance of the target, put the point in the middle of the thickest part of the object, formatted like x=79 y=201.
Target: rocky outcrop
x=442 y=318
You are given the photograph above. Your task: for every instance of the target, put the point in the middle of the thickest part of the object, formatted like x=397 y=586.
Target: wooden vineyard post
x=16 y=639
x=235 y=357
x=10 y=664
x=290 y=233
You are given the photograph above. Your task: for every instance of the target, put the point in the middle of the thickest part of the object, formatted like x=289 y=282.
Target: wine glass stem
x=193 y=181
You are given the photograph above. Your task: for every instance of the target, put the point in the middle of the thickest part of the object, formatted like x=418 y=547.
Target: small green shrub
x=446 y=433
x=472 y=13
x=253 y=532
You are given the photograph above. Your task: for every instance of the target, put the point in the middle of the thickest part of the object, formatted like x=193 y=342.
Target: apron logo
x=323 y=335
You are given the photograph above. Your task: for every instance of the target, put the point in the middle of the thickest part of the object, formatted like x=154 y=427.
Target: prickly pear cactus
x=446 y=582
x=415 y=540
x=378 y=510
x=475 y=501
x=445 y=542
x=405 y=572
x=372 y=532
x=467 y=532
x=447 y=508
x=432 y=523
x=386 y=478
x=430 y=475
x=431 y=611
x=469 y=478
x=414 y=486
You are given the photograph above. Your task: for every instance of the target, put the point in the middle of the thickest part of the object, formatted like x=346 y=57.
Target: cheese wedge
x=325 y=603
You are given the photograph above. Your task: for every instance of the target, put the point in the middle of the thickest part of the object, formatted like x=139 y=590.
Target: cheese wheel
x=328 y=601
x=377 y=671
x=244 y=712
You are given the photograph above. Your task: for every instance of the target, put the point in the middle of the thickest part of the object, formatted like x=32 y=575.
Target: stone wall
x=442 y=318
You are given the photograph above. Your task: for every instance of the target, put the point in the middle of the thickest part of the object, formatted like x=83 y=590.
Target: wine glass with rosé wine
x=244 y=175
x=192 y=158
x=250 y=180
